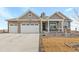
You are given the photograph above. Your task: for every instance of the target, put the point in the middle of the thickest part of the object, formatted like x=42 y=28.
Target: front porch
x=52 y=26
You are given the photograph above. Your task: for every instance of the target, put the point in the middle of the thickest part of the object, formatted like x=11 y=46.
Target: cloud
x=24 y=9
x=74 y=25
x=75 y=22
x=4 y=13
x=69 y=9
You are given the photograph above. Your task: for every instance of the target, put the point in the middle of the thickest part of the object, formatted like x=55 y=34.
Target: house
x=32 y=23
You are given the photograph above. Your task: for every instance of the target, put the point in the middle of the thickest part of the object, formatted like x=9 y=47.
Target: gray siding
x=29 y=15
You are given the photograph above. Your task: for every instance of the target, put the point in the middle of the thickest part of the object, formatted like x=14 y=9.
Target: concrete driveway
x=19 y=42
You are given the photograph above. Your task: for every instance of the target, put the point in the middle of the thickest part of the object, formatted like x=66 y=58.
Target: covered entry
x=44 y=26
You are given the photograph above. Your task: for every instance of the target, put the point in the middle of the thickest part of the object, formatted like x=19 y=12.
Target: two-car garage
x=29 y=28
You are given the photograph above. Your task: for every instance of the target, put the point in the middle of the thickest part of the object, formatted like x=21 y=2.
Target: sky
x=13 y=12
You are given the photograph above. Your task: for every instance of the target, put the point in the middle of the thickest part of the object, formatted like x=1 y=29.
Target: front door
x=44 y=26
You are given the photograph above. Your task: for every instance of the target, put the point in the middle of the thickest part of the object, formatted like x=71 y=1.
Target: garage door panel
x=23 y=29
x=13 y=29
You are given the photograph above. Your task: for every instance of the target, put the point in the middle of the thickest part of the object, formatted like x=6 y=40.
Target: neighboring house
x=31 y=23
x=3 y=31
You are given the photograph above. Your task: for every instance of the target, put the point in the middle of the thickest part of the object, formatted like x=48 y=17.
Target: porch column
x=62 y=26
x=48 y=26
x=59 y=26
x=41 y=26
x=19 y=27
x=8 y=26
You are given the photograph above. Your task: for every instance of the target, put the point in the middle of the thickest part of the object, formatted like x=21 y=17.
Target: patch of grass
x=56 y=44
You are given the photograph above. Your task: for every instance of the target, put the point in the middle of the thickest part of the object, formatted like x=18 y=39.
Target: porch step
x=61 y=34
x=54 y=34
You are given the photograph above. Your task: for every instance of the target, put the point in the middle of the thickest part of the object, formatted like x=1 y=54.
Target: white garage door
x=30 y=28
x=13 y=29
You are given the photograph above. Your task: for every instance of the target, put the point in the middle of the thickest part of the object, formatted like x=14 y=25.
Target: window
x=36 y=24
x=29 y=14
x=23 y=24
x=32 y=24
x=27 y=24
x=65 y=27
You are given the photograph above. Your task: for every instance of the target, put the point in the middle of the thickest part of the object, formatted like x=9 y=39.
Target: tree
x=76 y=13
x=76 y=16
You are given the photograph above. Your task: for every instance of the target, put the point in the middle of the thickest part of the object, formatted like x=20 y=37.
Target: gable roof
x=26 y=17
x=58 y=15
x=55 y=16
x=29 y=15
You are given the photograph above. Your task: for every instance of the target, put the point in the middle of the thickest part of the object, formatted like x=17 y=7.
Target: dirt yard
x=19 y=42
x=56 y=44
